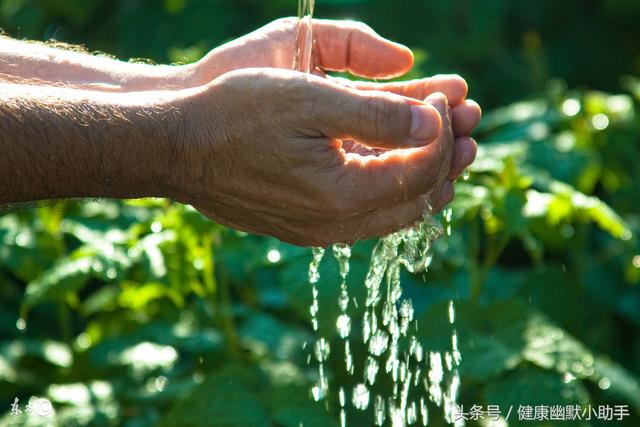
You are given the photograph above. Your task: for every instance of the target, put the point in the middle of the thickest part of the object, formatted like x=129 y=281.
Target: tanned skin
x=237 y=135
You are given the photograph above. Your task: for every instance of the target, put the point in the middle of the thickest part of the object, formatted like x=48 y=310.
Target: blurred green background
x=144 y=313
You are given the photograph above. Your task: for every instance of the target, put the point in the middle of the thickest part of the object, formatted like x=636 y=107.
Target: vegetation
x=143 y=312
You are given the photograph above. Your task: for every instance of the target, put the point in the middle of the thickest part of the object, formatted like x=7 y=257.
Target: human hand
x=264 y=155
x=465 y=116
x=354 y=47
x=339 y=46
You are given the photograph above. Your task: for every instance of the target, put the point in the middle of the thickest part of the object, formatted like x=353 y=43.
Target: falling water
x=342 y=254
x=388 y=321
x=321 y=347
x=410 y=368
x=304 y=37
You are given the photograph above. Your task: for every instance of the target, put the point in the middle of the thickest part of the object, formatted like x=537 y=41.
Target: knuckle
x=286 y=21
x=359 y=26
x=287 y=24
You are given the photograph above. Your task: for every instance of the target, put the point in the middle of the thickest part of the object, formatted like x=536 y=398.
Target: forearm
x=20 y=60
x=62 y=143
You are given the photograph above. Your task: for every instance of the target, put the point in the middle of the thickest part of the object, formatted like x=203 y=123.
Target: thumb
x=376 y=119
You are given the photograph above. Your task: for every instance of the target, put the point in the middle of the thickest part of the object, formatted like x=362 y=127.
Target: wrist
x=192 y=140
x=158 y=138
x=134 y=147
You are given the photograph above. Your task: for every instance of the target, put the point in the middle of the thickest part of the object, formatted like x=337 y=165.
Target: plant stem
x=474 y=260
x=478 y=279
x=221 y=301
x=64 y=322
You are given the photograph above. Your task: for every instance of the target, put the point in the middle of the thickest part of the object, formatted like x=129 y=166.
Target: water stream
x=389 y=327
x=302 y=59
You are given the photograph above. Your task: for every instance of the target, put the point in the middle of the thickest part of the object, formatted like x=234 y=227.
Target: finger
x=374 y=182
x=466 y=117
x=464 y=153
x=353 y=46
x=375 y=119
x=453 y=86
x=446 y=196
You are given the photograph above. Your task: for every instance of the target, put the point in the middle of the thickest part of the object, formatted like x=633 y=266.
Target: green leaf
x=68 y=275
x=224 y=399
x=549 y=347
x=264 y=333
x=530 y=386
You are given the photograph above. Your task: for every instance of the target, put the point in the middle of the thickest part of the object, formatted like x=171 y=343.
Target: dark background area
x=506 y=49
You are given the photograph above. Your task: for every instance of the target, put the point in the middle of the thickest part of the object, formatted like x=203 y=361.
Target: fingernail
x=438 y=99
x=424 y=122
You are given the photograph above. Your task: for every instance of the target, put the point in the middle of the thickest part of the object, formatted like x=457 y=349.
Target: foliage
x=144 y=312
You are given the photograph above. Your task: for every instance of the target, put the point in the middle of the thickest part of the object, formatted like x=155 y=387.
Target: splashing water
x=388 y=323
x=409 y=249
x=388 y=332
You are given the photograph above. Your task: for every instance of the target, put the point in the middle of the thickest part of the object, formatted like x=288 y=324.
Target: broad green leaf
x=549 y=347
x=224 y=399
x=68 y=275
x=529 y=386
x=267 y=335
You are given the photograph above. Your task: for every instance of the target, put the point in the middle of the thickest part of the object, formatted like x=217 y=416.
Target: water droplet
x=97 y=266
x=319 y=391
x=397 y=416
x=452 y=313
x=314 y=273
x=360 y=397
x=406 y=316
x=348 y=358
x=342 y=254
x=600 y=121
x=314 y=276
x=156 y=227
x=84 y=341
x=21 y=324
x=343 y=324
x=436 y=375
x=161 y=383
x=379 y=410
x=321 y=350
x=273 y=256
x=378 y=343
x=371 y=370
x=571 y=107
x=111 y=273
x=568 y=377
x=424 y=412
x=412 y=413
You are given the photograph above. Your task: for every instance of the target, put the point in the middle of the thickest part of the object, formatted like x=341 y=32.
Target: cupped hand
x=261 y=151
x=353 y=47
